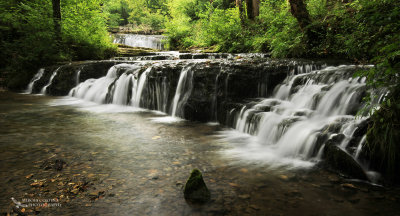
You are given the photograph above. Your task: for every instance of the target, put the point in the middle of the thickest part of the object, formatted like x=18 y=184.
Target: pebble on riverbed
x=196 y=190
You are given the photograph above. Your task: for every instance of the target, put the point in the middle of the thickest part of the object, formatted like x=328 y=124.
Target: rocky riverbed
x=82 y=159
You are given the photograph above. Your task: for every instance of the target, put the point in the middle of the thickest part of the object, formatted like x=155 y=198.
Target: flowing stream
x=274 y=125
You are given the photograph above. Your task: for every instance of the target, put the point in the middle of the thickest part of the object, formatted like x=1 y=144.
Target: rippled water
x=141 y=159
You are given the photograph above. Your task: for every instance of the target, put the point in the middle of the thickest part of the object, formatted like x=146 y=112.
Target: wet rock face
x=340 y=161
x=196 y=190
x=216 y=82
x=66 y=78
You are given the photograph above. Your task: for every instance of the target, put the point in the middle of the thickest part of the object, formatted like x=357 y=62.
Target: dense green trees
x=36 y=33
x=141 y=14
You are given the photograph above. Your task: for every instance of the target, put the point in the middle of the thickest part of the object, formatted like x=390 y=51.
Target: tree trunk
x=57 y=19
x=299 y=11
x=239 y=4
x=249 y=7
x=256 y=8
x=253 y=8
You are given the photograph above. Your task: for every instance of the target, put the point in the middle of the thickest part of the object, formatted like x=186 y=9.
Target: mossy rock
x=196 y=190
x=342 y=162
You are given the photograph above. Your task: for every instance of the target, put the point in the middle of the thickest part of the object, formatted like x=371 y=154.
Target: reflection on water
x=140 y=165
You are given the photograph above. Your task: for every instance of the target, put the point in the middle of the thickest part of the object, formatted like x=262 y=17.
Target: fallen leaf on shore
x=244 y=170
x=348 y=185
x=233 y=184
x=29 y=176
x=283 y=177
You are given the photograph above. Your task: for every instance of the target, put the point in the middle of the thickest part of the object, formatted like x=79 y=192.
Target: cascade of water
x=359 y=147
x=96 y=90
x=78 y=73
x=107 y=89
x=162 y=95
x=37 y=77
x=44 y=89
x=348 y=130
x=120 y=96
x=183 y=91
x=136 y=98
x=303 y=107
x=147 y=41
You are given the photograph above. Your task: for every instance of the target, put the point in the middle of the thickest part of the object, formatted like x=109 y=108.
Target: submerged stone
x=196 y=190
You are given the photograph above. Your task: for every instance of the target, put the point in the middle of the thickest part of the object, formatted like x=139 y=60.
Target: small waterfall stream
x=34 y=79
x=44 y=89
x=183 y=91
x=136 y=99
x=78 y=73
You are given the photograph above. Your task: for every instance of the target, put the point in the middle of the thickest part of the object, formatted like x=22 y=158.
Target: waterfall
x=183 y=91
x=37 y=77
x=78 y=73
x=121 y=89
x=44 y=89
x=109 y=86
x=162 y=95
x=134 y=40
x=304 y=107
x=294 y=123
x=359 y=147
x=136 y=98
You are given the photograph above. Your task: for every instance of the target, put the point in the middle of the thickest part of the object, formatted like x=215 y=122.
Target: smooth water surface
x=138 y=164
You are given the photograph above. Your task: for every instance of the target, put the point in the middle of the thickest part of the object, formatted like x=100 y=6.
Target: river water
x=137 y=165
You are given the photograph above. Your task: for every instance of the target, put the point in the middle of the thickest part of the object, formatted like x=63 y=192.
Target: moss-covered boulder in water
x=196 y=190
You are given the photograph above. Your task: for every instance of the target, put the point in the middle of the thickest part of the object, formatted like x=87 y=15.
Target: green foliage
x=383 y=137
x=218 y=25
x=282 y=32
x=117 y=12
x=142 y=14
x=221 y=28
x=84 y=30
x=195 y=23
x=28 y=39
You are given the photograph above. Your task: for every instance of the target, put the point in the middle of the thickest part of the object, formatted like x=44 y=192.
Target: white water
x=146 y=41
x=78 y=73
x=44 y=89
x=97 y=90
x=138 y=89
x=37 y=77
x=359 y=147
x=183 y=91
x=288 y=133
x=129 y=90
x=283 y=130
x=121 y=89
